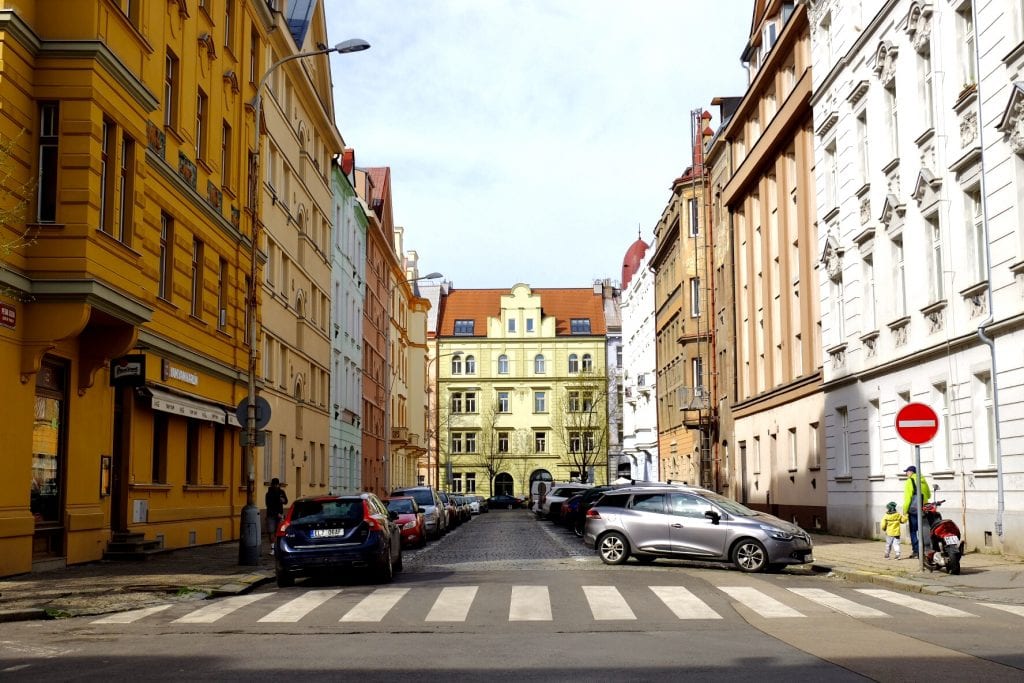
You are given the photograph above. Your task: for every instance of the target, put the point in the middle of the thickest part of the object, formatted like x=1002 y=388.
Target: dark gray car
x=691 y=524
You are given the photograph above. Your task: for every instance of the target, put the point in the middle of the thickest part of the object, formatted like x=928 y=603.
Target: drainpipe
x=982 y=333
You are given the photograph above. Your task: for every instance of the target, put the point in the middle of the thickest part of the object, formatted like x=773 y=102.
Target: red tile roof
x=479 y=304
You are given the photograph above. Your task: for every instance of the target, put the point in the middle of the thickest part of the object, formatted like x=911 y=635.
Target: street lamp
x=391 y=380
x=249 y=532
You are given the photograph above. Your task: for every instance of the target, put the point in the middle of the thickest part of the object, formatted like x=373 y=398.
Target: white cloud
x=528 y=139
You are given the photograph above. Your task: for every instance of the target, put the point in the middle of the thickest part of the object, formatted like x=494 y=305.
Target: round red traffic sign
x=917 y=423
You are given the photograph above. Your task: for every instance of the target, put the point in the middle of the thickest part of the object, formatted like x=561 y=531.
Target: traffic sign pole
x=920 y=513
x=917 y=423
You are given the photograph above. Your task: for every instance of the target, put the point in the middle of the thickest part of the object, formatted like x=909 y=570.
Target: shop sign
x=180 y=374
x=128 y=371
x=8 y=316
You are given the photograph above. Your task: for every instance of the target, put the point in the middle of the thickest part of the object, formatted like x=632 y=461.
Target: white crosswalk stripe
x=132 y=616
x=219 y=609
x=607 y=603
x=837 y=603
x=1012 y=609
x=683 y=603
x=293 y=610
x=903 y=600
x=765 y=605
x=453 y=604
x=375 y=605
x=530 y=603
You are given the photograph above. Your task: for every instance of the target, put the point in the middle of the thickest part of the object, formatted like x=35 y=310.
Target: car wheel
x=423 y=539
x=387 y=569
x=578 y=529
x=285 y=580
x=613 y=548
x=749 y=555
x=645 y=559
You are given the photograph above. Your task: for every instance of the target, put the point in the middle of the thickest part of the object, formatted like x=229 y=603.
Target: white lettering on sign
x=182 y=375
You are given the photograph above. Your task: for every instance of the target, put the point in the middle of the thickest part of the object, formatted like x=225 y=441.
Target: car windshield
x=313 y=511
x=403 y=506
x=730 y=505
x=422 y=496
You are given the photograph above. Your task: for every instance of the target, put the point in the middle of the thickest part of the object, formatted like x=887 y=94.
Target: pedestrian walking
x=915 y=494
x=891 y=522
x=275 y=500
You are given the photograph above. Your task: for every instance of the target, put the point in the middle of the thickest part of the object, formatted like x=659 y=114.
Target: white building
x=639 y=459
x=921 y=247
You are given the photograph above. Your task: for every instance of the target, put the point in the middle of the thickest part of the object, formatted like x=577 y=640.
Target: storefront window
x=48 y=435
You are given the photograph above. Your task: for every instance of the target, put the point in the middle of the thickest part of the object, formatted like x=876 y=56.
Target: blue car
x=329 y=534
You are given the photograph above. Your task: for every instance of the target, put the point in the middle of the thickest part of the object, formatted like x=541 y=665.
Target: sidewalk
x=212 y=571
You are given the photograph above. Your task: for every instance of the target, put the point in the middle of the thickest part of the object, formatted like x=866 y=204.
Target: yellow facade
x=518 y=376
x=133 y=117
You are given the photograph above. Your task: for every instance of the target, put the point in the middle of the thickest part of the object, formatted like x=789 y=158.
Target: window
x=457 y=483
x=166 y=257
x=935 y=274
x=694 y=216
x=197 y=278
x=575 y=442
x=222 y=294
x=574 y=363
x=49 y=130
x=984 y=422
x=126 y=190
x=588 y=402
x=512 y=325
x=254 y=56
x=529 y=324
x=843 y=445
x=540 y=402
x=229 y=23
x=192 y=452
x=540 y=442
x=579 y=326
x=832 y=179
x=943 y=439
x=863 y=144
x=470 y=401
x=130 y=8
x=464 y=327
x=225 y=155
x=470 y=482
x=503 y=442
x=975 y=229
x=471 y=442
x=470 y=365
x=792 y=449
x=457 y=443
x=813 y=456
x=697 y=375
x=925 y=76
x=891 y=107
x=202 y=110
x=159 y=455
x=588 y=363
x=106 y=178
x=457 y=365
x=965 y=36
x=870 y=318
x=170 y=90
x=757 y=455
x=503 y=401
x=694 y=297
x=248 y=315
x=839 y=309
x=574 y=401
x=538 y=364
x=502 y=364
x=899 y=277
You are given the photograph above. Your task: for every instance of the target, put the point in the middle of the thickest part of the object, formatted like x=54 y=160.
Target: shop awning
x=186 y=406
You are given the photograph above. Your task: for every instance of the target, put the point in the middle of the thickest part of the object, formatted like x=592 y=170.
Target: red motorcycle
x=946 y=545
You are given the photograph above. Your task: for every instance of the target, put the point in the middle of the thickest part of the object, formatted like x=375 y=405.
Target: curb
x=242 y=586
x=897 y=582
x=30 y=614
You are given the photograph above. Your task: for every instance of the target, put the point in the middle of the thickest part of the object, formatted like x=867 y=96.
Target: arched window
x=457 y=365
x=588 y=363
x=538 y=364
x=502 y=364
x=574 y=363
x=470 y=365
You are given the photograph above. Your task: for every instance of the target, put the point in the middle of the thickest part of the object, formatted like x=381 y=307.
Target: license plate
x=327 y=533
x=952 y=540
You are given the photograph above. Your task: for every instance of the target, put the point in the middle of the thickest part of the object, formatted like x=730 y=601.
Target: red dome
x=631 y=263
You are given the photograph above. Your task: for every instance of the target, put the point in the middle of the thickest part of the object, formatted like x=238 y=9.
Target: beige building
x=299 y=141
x=770 y=203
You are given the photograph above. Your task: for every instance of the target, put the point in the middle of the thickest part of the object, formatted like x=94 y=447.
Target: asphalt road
x=508 y=597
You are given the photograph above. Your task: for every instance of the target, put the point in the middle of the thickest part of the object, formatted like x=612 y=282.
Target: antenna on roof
x=639 y=235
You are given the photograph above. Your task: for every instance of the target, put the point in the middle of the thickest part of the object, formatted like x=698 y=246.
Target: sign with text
x=8 y=316
x=917 y=423
x=128 y=371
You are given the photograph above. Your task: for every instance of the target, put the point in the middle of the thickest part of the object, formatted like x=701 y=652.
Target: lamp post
x=391 y=379
x=249 y=532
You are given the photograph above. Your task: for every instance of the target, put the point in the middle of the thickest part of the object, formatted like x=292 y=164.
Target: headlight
x=776 y=533
x=409 y=525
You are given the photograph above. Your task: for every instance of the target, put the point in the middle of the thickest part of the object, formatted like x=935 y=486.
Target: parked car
x=449 y=505
x=504 y=501
x=552 y=501
x=462 y=505
x=336 y=533
x=410 y=520
x=481 y=503
x=691 y=524
x=569 y=508
x=435 y=514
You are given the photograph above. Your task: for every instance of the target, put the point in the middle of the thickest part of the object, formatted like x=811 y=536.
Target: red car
x=410 y=520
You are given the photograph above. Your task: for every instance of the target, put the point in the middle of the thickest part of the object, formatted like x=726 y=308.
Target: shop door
x=49 y=446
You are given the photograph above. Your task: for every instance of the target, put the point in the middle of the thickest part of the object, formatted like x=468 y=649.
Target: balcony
x=400 y=434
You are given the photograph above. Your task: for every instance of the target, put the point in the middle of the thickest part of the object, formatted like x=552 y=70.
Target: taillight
x=283 y=526
x=372 y=521
x=592 y=513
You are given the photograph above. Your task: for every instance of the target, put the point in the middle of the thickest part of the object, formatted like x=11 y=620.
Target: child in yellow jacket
x=891 y=527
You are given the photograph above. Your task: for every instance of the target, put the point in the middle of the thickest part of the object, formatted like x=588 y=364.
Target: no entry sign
x=917 y=423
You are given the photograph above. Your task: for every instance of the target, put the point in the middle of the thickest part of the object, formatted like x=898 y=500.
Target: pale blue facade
x=348 y=287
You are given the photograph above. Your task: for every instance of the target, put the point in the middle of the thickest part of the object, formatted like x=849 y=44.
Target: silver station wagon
x=689 y=523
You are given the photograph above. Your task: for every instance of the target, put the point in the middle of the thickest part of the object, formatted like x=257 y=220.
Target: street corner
x=242 y=584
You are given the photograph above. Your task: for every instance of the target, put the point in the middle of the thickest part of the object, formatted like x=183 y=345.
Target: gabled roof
x=563 y=304
x=299 y=14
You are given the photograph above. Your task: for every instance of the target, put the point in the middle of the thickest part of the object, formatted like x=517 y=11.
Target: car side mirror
x=713 y=516
x=392 y=515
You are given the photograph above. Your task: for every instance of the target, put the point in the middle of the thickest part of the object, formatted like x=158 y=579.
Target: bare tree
x=15 y=195
x=580 y=422
x=494 y=446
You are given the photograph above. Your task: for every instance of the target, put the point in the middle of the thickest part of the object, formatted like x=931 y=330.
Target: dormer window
x=464 y=327
x=579 y=326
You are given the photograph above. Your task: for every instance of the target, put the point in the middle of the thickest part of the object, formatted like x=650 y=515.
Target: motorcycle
x=946 y=545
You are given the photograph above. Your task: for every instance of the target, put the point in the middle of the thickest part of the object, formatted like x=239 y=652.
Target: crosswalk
x=533 y=603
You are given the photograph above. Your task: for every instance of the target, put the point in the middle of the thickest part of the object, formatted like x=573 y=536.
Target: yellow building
x=522 y=389
x=125 y=261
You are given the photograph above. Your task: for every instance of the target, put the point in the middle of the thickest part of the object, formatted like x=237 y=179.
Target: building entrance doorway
x=49 y=447
x=503 y=485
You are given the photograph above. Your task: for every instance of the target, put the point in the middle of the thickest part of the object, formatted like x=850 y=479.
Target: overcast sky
x=528 y=140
